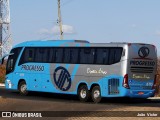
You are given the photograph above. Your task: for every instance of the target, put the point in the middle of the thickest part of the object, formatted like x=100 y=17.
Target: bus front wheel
x=23 y=88
x=96 y=94
x=83 y=93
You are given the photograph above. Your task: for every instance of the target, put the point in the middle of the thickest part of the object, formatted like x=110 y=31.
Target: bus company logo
x=62 y=79
x=143 y=52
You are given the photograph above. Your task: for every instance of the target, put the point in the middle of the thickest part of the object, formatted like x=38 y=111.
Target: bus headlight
x=9 y=84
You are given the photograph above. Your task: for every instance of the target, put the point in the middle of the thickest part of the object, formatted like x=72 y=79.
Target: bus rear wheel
x=83 y=93
x=23 y=88
x=96 y=94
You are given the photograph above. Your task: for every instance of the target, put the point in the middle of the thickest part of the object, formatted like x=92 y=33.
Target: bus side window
x=99 y=56
x=67 y=55
x=52 y=56
x=90 y=55
x=87 y=56
x=59 y=55
x=102 y=56
x=74 y=53
x=115 y=55
x=105 y=56
x=118 y=54
x=111 y=56
x=49 y=55
x=41 y=54
x=45 y=55
x=82 y=56
x=28 y=55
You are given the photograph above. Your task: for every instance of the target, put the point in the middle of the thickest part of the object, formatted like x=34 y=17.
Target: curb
x=154 y=98
x=2 y=85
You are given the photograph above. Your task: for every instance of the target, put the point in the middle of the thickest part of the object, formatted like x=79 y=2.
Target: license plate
x=140 y=93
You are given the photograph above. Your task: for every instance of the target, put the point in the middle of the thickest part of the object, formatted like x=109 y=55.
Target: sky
x=100 y=21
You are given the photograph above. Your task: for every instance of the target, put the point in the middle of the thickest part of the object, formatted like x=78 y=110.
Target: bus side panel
x=89 y=74
x=65 y=78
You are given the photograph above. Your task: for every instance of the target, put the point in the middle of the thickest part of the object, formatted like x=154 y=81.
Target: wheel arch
x=21 y=80
x=80 y=84
x=93 y=85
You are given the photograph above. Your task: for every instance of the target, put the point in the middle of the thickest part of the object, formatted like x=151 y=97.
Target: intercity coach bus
x=89 y=70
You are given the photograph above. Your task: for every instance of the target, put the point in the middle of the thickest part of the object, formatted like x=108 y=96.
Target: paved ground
x=12 y=101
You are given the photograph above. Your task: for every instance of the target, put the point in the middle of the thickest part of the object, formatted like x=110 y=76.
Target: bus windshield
x=12 y=60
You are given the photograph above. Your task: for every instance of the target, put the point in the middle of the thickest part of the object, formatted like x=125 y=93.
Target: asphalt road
x=35 y=101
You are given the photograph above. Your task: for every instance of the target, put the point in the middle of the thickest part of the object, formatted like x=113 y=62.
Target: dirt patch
x=3 y=100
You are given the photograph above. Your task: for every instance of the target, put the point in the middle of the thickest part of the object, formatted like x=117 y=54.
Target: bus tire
x=22 y=87
x=96 y=94
x=83 y=93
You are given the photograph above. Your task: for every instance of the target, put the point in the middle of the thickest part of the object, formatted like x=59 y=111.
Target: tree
x=2 y=73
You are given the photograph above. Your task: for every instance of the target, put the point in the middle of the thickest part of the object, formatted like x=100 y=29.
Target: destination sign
x=142 y=63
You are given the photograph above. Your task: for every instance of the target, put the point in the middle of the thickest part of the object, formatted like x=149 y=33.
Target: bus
x=78 y=67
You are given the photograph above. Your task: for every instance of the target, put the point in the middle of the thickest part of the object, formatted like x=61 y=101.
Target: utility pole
x=5 y=35
x=60 y=20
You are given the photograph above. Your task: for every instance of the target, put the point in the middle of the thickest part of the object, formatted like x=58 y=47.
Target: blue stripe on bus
x=67 y=66
x=43 y=43
x=75 y=71
x=77 y=44
x=66 y=44
x=57 y=65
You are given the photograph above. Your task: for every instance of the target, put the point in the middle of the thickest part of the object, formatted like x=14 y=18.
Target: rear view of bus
x=140 y=79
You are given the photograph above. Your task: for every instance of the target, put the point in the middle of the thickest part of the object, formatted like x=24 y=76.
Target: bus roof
x=46 y=43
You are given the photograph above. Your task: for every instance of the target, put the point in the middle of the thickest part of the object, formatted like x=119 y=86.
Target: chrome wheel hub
x=23 y=88
x=83 y=93
x=96 y=94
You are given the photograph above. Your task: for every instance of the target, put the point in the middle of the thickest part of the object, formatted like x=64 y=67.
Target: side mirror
x=2 y=59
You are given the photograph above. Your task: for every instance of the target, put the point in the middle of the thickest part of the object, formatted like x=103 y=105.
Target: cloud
x=44 y=31
x=67 y=29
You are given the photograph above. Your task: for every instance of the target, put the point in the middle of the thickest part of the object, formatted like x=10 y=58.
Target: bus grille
x=137 y=87
x=113 y=85
x=142 y=69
